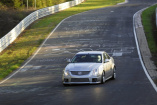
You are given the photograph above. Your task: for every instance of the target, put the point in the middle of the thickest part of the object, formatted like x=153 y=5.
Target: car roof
x=91 y=52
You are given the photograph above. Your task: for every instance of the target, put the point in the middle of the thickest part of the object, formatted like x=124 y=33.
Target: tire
x=103 y=78
x=114 y=73
x=65 y=85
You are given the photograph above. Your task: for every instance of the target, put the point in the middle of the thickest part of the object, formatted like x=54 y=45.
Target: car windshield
x=82 y=58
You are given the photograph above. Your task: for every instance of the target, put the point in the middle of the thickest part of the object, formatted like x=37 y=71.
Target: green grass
x=149 y=23
x=28 y=42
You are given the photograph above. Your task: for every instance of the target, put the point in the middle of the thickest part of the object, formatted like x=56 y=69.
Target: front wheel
x=66 y=85
x=103 y=78
x=114 y=73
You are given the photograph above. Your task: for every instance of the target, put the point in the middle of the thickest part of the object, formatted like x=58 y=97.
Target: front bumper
x=81 y=79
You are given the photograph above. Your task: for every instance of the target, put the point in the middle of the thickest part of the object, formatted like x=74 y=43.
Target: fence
x=15 y=32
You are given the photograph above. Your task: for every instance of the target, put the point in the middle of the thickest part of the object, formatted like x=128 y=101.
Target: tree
x=17 y=4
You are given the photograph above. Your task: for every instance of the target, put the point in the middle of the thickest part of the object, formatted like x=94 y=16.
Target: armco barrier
x=15 y=32
x=156 y=17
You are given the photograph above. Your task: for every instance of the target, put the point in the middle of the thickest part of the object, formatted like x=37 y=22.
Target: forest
x=21 y=4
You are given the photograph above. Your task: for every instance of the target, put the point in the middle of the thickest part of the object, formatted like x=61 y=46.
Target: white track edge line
x=43 y=44
x=35 y=52
x=126 y=1
x=140 y=57
x=39 y=48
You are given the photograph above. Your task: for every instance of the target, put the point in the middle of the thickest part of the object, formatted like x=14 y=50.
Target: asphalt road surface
x=107 y=29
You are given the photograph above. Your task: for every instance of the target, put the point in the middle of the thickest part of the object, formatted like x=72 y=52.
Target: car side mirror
x=106 y=60
x=69 y=60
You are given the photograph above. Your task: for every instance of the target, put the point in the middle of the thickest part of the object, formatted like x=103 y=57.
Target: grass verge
x=28 y=42
x=149 y=23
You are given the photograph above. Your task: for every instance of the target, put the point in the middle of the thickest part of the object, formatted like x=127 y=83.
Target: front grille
x=79 y=80
x=80 y=72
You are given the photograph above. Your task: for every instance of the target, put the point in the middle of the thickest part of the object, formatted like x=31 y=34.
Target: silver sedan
x=89 y=67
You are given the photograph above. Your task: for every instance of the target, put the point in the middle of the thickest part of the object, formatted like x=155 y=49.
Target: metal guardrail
x=156 y=17
x=6 y=40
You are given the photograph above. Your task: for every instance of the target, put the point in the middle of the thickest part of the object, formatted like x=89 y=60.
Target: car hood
x=82 y=66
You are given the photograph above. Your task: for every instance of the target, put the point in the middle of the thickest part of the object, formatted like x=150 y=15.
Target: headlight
x=95 y=72
x=66 y=72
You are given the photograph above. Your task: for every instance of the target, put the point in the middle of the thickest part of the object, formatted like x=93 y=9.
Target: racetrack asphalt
x=107 y=29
